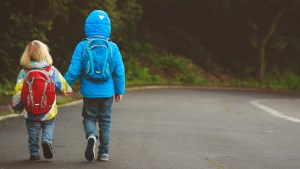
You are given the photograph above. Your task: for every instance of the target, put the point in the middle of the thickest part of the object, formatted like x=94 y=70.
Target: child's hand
x=118 y=97
x=16 y=111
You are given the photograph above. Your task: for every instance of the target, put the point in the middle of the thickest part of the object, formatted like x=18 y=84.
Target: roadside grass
x=5 y=113
x=64 y=100
x=274 y=81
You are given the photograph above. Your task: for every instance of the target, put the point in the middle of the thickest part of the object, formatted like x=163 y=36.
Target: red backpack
x=38 y=92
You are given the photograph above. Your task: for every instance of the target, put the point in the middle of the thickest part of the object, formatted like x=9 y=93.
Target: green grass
x=5 y=113
x=7 y=88
x=277 y=81
x=65 y=100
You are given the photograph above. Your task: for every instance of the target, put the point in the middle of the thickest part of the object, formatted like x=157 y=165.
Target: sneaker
x=34 y=157
x=103 y=157
x=47 y=150
x=90 y=149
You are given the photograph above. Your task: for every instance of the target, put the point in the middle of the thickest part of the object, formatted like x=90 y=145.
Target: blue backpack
x=98 y=61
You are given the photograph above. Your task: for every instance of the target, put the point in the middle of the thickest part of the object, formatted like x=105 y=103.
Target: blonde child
x=40 y=104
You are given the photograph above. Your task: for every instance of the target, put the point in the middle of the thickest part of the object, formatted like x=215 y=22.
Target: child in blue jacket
x=97 y=96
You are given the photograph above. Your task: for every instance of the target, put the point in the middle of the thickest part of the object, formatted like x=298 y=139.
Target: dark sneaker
x=90 y=149
x=103 y=157
x=34 y=157
x=47 y=150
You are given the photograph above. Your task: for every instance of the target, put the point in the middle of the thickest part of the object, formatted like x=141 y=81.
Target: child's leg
x=104 y=121
x=47 y=131
x=47 y=127
x=89 y=127
x=33 y=130
x=90 y=113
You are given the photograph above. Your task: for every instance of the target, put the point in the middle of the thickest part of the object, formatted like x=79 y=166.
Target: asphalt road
x=175 y=129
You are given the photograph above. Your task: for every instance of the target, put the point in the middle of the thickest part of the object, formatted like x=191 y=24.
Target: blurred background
x=237 y=43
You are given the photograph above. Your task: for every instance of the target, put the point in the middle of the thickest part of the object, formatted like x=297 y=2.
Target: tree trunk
x=262 y=60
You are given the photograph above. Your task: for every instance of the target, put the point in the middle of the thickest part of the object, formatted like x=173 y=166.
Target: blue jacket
x=97 y=24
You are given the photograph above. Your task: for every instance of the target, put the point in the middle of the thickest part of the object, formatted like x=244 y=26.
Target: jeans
x=33 y=130
x=98 y=110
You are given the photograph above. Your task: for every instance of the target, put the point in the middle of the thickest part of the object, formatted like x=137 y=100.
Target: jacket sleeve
x=119 y=71
x=74 y=70
x=60 y=83
x=16 y=100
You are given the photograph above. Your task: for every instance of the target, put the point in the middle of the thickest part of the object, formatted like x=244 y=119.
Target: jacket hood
x=38 y=64
x=97 y=24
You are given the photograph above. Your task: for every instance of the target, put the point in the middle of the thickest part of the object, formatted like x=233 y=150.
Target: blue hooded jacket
x=97 y=24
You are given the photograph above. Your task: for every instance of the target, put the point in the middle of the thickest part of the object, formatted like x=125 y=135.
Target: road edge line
x=273 y=112
x=9 y=116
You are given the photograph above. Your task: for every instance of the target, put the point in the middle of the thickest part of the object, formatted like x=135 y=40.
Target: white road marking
x=273 y=112
x=18 y=115
x=9 y=116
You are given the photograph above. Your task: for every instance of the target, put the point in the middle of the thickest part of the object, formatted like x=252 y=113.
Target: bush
x=145 y=64
x=7 y=88
x=273 y=80
x=136 y=74
x=285 y=80
x=179 y=69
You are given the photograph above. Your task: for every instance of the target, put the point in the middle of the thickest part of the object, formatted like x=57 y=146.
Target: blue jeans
x=33 y=130
x=98 y=110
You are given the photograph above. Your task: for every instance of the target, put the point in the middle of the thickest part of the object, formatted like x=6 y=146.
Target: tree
x=228 y=33
x=58 y=23
x=22 y=22
x=263 y=19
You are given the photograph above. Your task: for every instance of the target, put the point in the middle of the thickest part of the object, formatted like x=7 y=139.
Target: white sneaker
x=90 y=148
x=103 y=157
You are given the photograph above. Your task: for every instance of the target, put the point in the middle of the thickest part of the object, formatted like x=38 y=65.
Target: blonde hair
x=35 y=50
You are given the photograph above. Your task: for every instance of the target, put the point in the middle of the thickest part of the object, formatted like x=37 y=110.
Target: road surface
x=182 y=128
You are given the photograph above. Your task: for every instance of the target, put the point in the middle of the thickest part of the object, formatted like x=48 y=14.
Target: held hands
x=16 y=111
x=118 y=97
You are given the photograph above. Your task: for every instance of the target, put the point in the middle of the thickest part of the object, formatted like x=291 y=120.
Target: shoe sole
x=90 y=150
x=103 y=158
x=47 y=151
x=34 y=158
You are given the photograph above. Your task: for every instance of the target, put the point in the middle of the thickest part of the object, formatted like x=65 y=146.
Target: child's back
x=33 y=94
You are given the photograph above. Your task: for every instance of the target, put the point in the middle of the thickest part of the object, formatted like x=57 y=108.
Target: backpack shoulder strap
x=48 y=68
